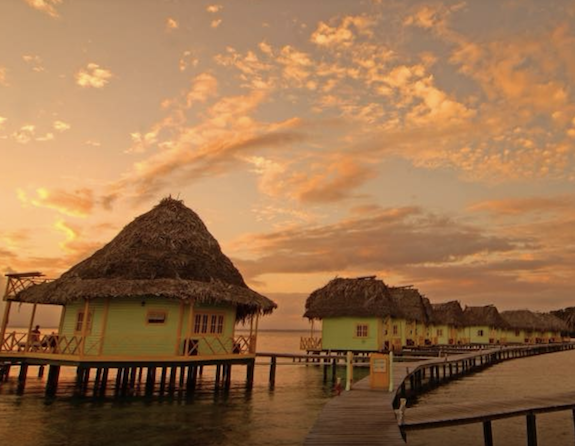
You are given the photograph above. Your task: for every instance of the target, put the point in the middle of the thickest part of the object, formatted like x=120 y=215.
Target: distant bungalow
x=364 y=314
x=160 y=290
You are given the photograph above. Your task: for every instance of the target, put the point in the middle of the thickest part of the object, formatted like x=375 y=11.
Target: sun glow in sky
x=430 y=143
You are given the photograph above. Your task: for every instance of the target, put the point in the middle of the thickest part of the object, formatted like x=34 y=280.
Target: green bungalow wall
x=127 y=332
x=339 y=333
x=474 y=336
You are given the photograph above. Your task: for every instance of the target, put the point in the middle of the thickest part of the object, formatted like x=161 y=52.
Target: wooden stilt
x=228 y=380
x=104 y=382
x=40 y=371
x=218 y=375
x=163 y=380
x=22 y=377
x=172 y=383
x=250 y=374
x=273 y=365
x=52 y=382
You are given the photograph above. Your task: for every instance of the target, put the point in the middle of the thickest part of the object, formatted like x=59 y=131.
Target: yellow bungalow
x=523 y=324
x=552 y=328
x=160 y=290
x=484 y=325
x=448 y=323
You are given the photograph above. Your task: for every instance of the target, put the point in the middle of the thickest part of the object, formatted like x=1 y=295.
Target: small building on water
x=448 y=323
x=160 y=290
x=484 y=325
x=365 y=315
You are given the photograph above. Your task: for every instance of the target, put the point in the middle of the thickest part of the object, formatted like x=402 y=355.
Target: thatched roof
x=364 y=297
x=167 y=252
x=522 y=319
x=360 y=297
x=486 y=315
x=409 y=304
x=550 y=322
x=448 y=313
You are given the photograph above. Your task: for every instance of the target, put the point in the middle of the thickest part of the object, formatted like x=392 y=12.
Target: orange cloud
x=46 y=6
x=75 y=204
x=523 y=206
x=93 y=76
x=342 y=34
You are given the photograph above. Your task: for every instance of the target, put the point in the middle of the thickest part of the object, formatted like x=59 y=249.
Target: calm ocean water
x=281 y=416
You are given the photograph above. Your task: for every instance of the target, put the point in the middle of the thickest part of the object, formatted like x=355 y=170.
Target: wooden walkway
x=441 y=415
x=367 y=417
x=360 y=417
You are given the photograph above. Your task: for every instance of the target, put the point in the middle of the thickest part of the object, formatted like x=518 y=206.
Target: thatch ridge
x=409 y=304
x=166 y=252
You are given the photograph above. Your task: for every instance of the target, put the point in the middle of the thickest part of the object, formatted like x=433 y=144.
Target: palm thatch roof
x=448 y=313
x=359 y=297
x=409 y=304
x=167 y=252
x=364 y=297
x=484 y=316
x=522 y=319
x=550 y=322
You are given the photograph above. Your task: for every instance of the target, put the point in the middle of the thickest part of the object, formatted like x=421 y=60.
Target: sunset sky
x=429 y=143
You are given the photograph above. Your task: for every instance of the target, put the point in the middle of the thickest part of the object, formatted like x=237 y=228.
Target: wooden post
x=41 y=371
x=255 y=339
x=104 y=383
x=150 y=380
x=349 y=371
x=22 y=377
x=228 y=380
x=104 y=325
x=5 y=319
x=250 y=366
x=52 y=382
x=273 y=364
x=28 y=338
x=178 y=346
x=85 y=326
x=172 y=382
x=531 y=430
x=119 y=372
x=218 y=375
x=163 y=380
x=190 y=329
x=487 y=433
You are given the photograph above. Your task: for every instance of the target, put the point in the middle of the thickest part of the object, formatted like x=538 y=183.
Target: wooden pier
x=367 y=417
x=487 y=411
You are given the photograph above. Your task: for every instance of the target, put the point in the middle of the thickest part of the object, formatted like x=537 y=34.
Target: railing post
x=531 y=430
x=487 y=433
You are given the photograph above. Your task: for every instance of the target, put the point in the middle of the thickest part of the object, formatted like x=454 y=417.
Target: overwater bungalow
x=523 y=324
x=353 y=312
x=448 y=323
x=551 y=328
x=161 y=290
x=365 y=314
x=410 y=318
x=484 y=325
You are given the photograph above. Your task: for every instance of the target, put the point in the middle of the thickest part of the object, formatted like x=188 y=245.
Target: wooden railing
x=310 y=343
x=136 y=345
x=55 y=344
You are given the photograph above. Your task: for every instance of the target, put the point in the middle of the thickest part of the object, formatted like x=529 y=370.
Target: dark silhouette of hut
x=161 y=288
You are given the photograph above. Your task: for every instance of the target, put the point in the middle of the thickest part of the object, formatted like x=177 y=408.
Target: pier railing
x=137 y=345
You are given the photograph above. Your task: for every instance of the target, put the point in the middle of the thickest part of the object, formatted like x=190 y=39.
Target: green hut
x=161 y=288
x=448 y=323
x=484 y=325
x=354 y=313
x=523 y=324
x=410 y=317
x=551 y=328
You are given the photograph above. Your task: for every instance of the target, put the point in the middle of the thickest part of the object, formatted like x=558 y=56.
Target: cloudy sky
x=429 y=143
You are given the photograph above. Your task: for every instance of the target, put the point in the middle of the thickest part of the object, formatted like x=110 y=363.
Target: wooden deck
x=367 y=417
